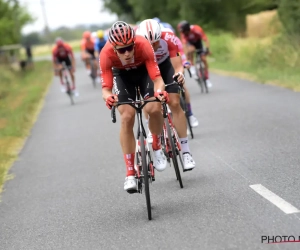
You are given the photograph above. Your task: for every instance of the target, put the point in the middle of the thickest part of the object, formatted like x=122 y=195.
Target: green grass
x=273 y=60
x=21 y=94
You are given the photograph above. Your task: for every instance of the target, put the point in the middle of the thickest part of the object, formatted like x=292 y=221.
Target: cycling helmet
x=184 y=26
x=100 y=33
x=86 y=34
x=150 y=29
x=121 y=33
x=59 y=41
x=156 y=19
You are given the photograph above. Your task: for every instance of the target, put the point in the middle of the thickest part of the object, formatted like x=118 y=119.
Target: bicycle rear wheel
x=146 y=175
x=184 y=108
x=174 y=154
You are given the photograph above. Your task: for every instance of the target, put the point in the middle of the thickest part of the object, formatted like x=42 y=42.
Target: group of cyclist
x=149 y=56
x=90 y=46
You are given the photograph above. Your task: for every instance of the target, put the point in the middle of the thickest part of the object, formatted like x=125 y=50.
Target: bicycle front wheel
x=69 y=92
x=146 y=175
x=174 y=154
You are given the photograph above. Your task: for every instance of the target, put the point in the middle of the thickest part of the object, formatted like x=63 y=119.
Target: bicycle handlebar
x=139 y=107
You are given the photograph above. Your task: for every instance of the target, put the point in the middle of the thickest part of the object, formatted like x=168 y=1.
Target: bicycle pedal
x=132 y=191
x=186 y=170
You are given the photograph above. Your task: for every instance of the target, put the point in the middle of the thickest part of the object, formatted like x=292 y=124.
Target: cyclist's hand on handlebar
x=179 y=77
x=161 y=95
x=207 y=52
x=111 y=100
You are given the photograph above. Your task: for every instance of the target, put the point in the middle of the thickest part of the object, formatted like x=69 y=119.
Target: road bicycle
x=144 y=167
x=69 y=91
x=200 y=71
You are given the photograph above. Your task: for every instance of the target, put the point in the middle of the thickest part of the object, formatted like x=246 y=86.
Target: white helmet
x=150 y=29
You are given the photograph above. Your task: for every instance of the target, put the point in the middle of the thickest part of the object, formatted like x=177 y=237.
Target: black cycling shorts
x=125 y=82
x=91 y=52
x=66 y=60
x=199 y=46
x=167 y=72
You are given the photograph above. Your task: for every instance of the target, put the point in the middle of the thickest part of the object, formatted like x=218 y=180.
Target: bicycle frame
x=138 y=105
x=65 y=75
x=167 y=139
x=144 y=169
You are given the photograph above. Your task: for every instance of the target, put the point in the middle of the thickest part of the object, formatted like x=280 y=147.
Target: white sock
x=184 y=145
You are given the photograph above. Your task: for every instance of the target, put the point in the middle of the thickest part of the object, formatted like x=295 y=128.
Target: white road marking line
x=275 y=199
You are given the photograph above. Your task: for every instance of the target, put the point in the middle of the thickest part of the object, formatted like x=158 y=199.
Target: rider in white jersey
x=170 y=64
x=162 y=53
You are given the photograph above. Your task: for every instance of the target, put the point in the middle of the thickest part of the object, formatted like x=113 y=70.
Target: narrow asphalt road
x=68 y=187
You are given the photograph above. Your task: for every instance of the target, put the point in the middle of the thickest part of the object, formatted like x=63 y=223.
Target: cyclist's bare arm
x=177 y=64
x=106 y=76
x=159 y=84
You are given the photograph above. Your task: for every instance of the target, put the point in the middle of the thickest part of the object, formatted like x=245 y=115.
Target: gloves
x=179 y=77
x=158 y=93
x=110 y=101
x=187 y=64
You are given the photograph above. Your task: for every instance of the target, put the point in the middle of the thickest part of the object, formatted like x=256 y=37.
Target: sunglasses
x=124 y=49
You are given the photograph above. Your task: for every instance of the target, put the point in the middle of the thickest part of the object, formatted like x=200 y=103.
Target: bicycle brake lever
x=165 y=110
x=113 y=114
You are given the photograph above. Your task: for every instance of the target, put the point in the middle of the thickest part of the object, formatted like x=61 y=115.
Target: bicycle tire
x=69 y=91
x=199 y=73
x=204 y=78
x=146 y=175
x=174 y=154
x=184 y=108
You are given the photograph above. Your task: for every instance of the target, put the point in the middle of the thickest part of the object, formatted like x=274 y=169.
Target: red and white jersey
x=143 y=55
x=167 y=47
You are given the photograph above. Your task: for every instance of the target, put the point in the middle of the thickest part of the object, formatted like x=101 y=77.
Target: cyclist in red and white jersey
x=127 y=61
x=62 y=53
x=193 y=120
x=192 y=37
x=170 y=65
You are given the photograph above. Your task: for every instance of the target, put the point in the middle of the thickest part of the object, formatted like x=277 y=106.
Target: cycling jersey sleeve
x=181 y=52
x=173 y=47
x=150 y=61
x=83 y=45
x=54 y=53
x=70 y=51
x=200 y=31
x=106 y=70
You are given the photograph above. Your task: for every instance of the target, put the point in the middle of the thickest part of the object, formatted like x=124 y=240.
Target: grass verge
x=21 y=95
x=273 y=60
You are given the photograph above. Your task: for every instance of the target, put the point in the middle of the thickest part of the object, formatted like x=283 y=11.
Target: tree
x=12 y=18
x=289 y=14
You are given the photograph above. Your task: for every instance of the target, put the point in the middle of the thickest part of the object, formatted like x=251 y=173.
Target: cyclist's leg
x=124 y=89
x=179 y=120
x=149 y=135
x=69 y=65
x=85 y=58
x=155 y=122
x=167 y=72
x=153 y=110
x=58 y=72
x=193 y=120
